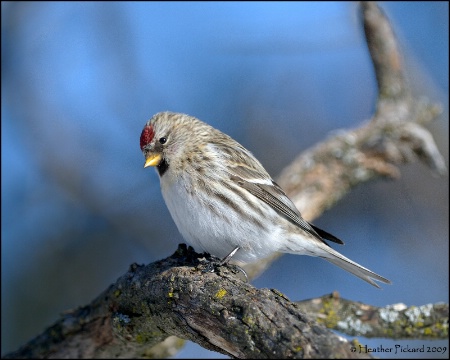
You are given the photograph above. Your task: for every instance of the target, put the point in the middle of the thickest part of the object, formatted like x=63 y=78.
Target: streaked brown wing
x=272 y=195
x=251 y=176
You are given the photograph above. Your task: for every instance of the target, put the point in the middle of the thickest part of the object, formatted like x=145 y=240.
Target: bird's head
x=168 y=139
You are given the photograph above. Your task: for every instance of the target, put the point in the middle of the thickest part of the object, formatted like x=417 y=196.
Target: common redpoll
x=224 y=202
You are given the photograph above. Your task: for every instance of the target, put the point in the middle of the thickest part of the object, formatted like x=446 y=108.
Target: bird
x=224 y=202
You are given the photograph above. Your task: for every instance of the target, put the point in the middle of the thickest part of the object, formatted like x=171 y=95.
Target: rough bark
x=397 y=321
x=175 y=296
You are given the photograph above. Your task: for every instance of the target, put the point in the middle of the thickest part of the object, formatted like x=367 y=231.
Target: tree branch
x=220 y=312
x=394 y=135
x=427 y=322
x=172 y=297
x=321 y=176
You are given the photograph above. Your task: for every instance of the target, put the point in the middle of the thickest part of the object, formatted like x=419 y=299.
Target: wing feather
x=250 y=175
x=272 y=194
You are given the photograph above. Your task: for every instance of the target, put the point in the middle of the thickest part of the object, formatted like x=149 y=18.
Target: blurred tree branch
x=398 y=321
x=220 y=312
x=321 y=176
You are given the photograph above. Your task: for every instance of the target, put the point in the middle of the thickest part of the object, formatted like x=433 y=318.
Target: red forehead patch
x=147 y=135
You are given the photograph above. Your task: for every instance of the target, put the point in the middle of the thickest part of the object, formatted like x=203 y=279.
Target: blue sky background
x=80 y=79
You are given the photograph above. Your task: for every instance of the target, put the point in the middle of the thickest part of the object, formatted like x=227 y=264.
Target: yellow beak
x=153 y=160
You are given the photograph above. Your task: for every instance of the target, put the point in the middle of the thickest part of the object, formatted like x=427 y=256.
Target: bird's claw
x=213 y=264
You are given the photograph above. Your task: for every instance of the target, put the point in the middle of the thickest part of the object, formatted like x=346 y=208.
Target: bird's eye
x=162 y=140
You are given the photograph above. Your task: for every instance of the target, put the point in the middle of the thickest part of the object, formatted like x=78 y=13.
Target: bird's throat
x=162 y=167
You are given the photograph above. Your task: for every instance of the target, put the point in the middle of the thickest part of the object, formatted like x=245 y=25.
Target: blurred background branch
x=395 y=135
x=396 y=321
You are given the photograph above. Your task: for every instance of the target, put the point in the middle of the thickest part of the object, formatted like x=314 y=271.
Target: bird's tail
x=340 y=260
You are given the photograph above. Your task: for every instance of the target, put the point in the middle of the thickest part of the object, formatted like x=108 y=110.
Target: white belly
x=217 y=231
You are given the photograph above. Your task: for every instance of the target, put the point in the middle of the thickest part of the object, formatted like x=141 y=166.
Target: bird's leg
x=224 y=261
x=227 y=258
